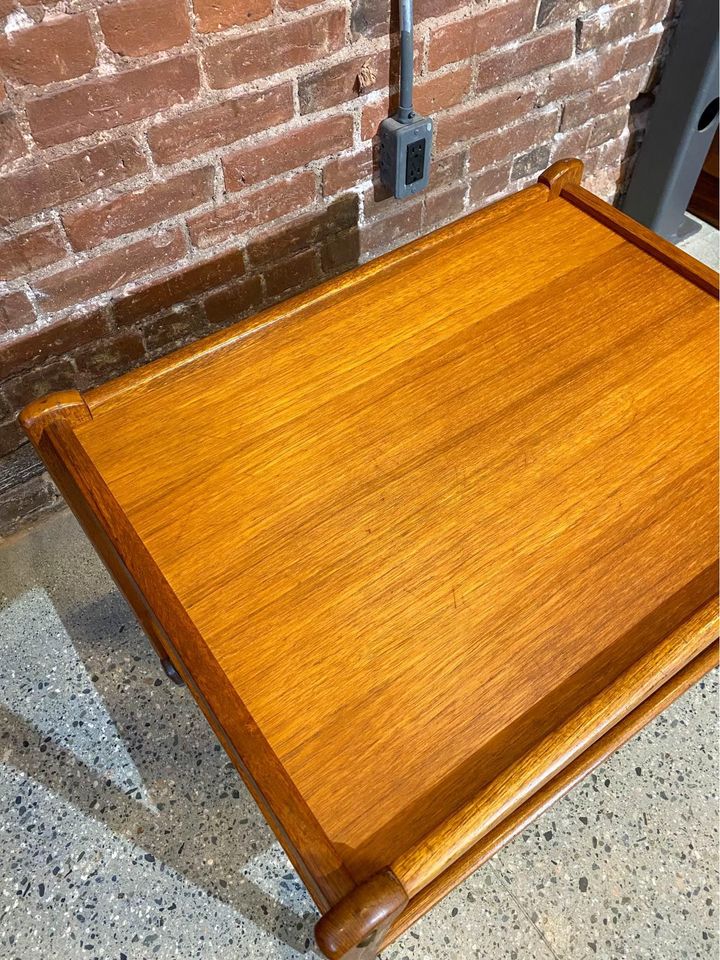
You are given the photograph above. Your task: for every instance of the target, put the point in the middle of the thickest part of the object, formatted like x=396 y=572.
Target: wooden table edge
x=380 y=909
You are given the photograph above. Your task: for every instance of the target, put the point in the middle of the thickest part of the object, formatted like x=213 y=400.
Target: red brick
x=29 y=498
x=253 y=208
x=608 y=127
x=448 y=171
x=443 y=205
x=531 y=163
x=298 y=4
x=387 y=231
x=432 y=95
x=318 y=227
x=58 y=375
x=108 y=102
x=564 y=11
x=474 y=35
x=134 y=28
x=110 y=270
x=299 y=272
x=372 y=18
x=213 y=126
x=344 y=172
x=132 y=211
x=287 y=151
x=59 y=48
x=494 y=149
x=656 y=11
x=609 y=24
x=339 y=82
x=641 y=52
x=109 y=358
x=571 y=143
x=184 y=285
x=7 y=6
x=341 y=253
x=583 y=73
x=173 y=329
x=539 y=51
x=606 y=98
x=30 y=251
x=278 y=48
x=67 y=178
x=15 y=312
x=219 y=14
x=227 y=306
x=12 y=144
x=38 y=345
x=487 y=184
x=473 y=121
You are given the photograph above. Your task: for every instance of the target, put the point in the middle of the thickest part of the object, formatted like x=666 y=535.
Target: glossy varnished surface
x=424 y=521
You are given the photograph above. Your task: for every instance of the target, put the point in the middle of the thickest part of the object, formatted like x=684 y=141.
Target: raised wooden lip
x=359 y=917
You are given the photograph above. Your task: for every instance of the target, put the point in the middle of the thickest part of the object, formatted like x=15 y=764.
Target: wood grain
x=416 y=539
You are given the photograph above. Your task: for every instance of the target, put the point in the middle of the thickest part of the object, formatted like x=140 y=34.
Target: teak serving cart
x=426 y=543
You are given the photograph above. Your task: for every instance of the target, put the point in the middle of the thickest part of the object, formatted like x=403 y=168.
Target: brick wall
x=169 y=166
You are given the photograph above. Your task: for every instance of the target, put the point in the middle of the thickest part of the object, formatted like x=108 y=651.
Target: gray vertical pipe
x=405 y=113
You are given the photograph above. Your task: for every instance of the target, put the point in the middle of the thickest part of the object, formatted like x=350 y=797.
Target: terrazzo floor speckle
x=125 y=832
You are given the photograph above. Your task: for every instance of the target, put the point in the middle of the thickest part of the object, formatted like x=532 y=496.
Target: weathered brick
x=437 y=93
x=179 y=287
x=57 y=375
x=341 y=253
x=608 y=127
x=492 y=150
x=400 y=225
x=489 y=183
x=289 y=150
x=110 y=270
x=30 y=251
x=443 y=205
x=134 y=28
x=198 y=131
x=39 y=344
x=534 y=161
x=448 y=171
x=490 y=114
x=570 y=143
x=12 y=144
x=338 y=83
x=29 y=499
x=642 y=51
x=228 y=306
x=344 y=172
x=278 y=48
x=132 y=211
x=67 y=178
x=110 y=101
x=15 y=312
x=109 y=358
x=609 y=24
x=539 y=51
x=318 y=227
x=297 y=4
x=559 y=11
x=583 y=73
x=483 y=31
x=218 y=14
x=606 y=98
x=11 y=437
x=253 y=208
x=59 y=48
x=375 y=18
x=299 y=272
x=172 y=329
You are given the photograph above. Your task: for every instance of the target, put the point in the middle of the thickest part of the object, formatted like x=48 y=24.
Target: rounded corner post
x=561 y=174
x=355 y=927
x=66 y=404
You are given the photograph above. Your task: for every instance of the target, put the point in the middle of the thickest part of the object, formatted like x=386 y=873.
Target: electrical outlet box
x=405 y=155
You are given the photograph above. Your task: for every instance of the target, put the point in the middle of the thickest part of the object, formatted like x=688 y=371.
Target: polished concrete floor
x=125 y=833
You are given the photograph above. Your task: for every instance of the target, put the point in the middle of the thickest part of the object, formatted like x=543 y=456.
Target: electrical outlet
x=405 y=155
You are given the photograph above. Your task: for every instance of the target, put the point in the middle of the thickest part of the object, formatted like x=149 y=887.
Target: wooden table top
x=420 y=517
